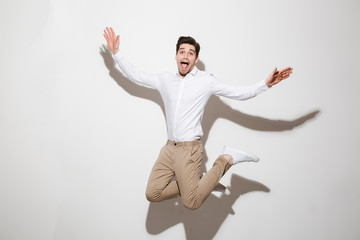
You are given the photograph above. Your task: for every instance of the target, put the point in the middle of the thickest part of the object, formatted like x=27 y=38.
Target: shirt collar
x=193 y=72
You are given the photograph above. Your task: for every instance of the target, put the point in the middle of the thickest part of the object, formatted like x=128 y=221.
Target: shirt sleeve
x=136 y=76
x=219 y=88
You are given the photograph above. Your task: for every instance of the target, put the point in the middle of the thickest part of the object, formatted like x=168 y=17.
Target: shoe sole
x=254 y=157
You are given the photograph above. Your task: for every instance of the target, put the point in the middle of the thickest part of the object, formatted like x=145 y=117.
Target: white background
x=77 y=140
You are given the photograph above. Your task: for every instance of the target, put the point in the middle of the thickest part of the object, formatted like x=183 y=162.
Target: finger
x=108 y=32
x=106 y=35
x=287 y=73
x=113 y=35
x=285 y=76
x=286 y=69
x=274 y=71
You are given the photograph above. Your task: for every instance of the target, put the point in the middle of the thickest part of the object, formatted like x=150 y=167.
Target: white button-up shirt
x=185 y=98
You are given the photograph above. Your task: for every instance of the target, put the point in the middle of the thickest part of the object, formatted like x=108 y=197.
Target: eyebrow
x=189 y=49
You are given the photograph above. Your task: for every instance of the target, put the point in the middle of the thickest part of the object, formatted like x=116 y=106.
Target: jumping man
x=185 y=95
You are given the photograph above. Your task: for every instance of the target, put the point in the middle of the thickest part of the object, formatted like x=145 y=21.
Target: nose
x=186 y=55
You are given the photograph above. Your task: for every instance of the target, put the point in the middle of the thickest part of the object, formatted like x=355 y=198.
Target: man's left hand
x=277 y=76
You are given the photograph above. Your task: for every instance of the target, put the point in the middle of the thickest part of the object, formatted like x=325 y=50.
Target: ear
x=197 y=59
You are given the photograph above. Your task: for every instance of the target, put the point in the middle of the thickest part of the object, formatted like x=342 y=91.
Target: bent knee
x=192 y=208
x=153 y=196
x=192 y=205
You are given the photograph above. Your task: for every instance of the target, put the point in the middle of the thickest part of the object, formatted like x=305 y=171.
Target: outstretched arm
x=112 y=40
x=242 y=93
x=138 y=77
x=277 y=76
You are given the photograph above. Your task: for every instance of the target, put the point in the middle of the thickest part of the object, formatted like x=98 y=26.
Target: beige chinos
x=183 y=160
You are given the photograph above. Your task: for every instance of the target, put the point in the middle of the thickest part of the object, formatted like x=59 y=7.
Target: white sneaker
x=239 y=156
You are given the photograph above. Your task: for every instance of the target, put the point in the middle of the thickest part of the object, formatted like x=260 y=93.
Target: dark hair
x=188 y=40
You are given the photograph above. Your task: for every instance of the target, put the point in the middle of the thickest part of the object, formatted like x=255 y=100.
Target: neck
x=184 y=75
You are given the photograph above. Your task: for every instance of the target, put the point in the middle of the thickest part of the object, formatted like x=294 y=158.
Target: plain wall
x=78 y=140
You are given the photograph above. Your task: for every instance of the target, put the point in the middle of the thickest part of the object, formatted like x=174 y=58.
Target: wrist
x=267 y=83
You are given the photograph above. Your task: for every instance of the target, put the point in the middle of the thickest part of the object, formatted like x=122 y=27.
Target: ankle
x=229 y=158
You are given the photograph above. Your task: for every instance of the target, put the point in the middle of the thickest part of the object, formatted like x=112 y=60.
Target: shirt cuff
x=263 y=85
x=116 y=56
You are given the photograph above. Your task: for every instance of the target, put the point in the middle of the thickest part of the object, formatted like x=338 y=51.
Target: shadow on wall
x=205 y=221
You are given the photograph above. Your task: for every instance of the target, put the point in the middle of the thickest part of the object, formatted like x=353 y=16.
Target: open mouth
x=184 y=65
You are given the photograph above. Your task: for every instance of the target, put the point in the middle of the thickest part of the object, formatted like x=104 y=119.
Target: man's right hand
x=112 y=40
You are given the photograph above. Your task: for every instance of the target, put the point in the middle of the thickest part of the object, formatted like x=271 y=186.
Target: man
x=185 y=95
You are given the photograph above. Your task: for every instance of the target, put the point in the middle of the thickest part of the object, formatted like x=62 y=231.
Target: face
x=186 y=59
